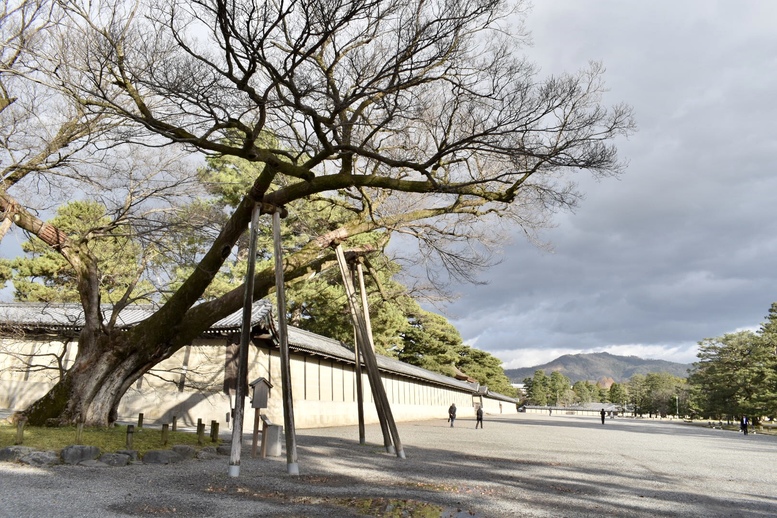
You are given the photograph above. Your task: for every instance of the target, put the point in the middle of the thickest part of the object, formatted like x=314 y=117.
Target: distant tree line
x=656 y=393
x=736 y=375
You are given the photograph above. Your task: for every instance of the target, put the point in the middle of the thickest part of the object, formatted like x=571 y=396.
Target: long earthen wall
x=190 y=386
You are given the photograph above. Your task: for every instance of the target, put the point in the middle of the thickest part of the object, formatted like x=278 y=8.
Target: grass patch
x=107 y=439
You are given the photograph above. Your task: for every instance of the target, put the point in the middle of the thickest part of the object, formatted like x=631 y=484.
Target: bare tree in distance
x=420 y=117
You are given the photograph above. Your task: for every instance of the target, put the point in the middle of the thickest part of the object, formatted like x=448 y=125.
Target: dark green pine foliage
x=538 y=388
x=735 y=375
x=43 y=275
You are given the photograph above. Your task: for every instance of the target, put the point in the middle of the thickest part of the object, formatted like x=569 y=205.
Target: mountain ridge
x=595 y=366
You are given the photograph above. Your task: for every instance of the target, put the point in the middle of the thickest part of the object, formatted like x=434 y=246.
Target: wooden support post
x=20 y=430
x=292 y=468
x=130 y=433
x=175 y=423
x=359 y=390
x=265 y=426
x=366 y=313
x=367 y=353
x=165 y=431
x=384 y=427
x=214 y=431
x=140 y=421
x=242 y=356
x=200 y=432
x=255 y=438
x=79 y=433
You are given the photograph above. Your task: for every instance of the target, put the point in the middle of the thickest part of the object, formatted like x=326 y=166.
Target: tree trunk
x=108 y=361
x=92 y=388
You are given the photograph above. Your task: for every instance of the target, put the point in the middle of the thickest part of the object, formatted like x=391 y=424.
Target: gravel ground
x=524 y=465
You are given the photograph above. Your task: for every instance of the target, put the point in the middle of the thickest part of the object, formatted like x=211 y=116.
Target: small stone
x=114 y=459
x=14 y=453
x=77 y=453
x=185 y=451
x=93 y=463
x=161 y=457
x=132 y=454
x=41 y=459
x=224 y=449
x=209 y=452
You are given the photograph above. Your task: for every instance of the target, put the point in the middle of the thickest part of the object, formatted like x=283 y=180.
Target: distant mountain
x=595 y=366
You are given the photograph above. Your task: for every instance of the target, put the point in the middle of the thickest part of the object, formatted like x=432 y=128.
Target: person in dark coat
x=743 y=424
x=479 y=420
x=602 y=413
x=452 y=413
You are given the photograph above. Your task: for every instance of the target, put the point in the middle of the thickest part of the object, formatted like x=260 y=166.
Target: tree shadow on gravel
x=484 y=486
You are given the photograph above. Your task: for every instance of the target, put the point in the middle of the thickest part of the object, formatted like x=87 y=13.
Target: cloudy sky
x=683 y=246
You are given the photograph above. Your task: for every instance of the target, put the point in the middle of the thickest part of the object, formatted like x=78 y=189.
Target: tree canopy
x=414 y=118
x=736 y=375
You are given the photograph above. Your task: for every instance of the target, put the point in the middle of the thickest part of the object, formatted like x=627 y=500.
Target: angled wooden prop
x=292 y=467
x=367 y=353
x=359 y=280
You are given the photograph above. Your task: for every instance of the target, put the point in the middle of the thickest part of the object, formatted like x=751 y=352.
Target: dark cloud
x=682 y=246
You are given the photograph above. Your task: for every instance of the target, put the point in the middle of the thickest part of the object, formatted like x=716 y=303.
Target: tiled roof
x=302 y=340
x=54 y=316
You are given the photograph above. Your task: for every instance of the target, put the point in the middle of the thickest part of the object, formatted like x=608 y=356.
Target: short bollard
x=165 y=429
x=140 y=421
x=130 y=432
x=175 y=423
x=200 y=431
x=20 y=430
x=214 y=431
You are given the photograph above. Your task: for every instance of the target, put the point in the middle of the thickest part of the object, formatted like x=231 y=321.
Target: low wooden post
x=214 y=431
x=79 y=433
x=255 y=440
x=165 y=430
x=20 y=430
x=140 y=420
x=265 y=426
x=175 y=423
x=130 y=432
x=200 y=431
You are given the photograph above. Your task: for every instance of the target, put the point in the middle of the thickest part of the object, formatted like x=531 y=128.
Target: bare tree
x=419 y=116
x=43 y=131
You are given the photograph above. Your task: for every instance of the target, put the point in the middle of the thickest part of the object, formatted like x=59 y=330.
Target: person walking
x=602 y=413
x=452 y=413
x=743 y=424
x=479 y=415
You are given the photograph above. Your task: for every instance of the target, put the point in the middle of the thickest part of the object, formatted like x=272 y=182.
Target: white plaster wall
x=323 y=390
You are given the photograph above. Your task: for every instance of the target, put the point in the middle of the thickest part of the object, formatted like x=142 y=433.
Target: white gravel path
x=524 y=465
